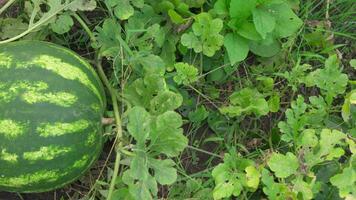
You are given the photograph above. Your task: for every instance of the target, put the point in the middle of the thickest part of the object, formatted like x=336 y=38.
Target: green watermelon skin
x=51 y=106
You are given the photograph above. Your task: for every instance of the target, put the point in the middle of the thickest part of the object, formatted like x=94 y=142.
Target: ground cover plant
x=207 y=99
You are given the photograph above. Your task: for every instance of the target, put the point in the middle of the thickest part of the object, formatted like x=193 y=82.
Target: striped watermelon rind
x=51 y=105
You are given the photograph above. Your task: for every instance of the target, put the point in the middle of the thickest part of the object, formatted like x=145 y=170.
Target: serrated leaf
x=167 y=137
x=10 y=27
x=165 y=101
x=62 y=24
x=283 y=165
x=186 y=74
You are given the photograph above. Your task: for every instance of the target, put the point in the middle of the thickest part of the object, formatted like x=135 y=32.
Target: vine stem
x=7 y=4
x=115 y=99
x=118 y=128
x=85 y=26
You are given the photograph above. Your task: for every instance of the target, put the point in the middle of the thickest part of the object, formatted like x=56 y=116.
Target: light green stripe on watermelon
x=91 y=139
x=82 y=162
x=65 y=70
x=11 y=129
x=33 y=178
x=33 y=93
x=5 y=60
x=9 y=157
x=46 y=153
x=7 y=95
x=59 y=98
x=58 y=129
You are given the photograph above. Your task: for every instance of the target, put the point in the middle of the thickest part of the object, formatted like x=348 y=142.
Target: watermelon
x=51 y=106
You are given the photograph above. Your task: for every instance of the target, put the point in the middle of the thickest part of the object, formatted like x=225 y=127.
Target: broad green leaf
x=164 y=171
x=236 y=47
x=167 y=137
x=139 y=124
x=242 y=9
x=264 y=21
x=248 y=31
x=139 y=166
x=287 y=22
x=265 y=48
x=220 y=7
x=283 y=165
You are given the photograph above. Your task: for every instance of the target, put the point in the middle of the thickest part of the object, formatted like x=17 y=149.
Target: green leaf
x=124 y=10
x=206 y=35
x=191 y=41
x=274 y=103
x=164 y=172
x=346 y=181
x=283 y=165
x=107 y=38
x=83 y=5
x=175 y=17
x=198 y=115
x=220 y=7
x=246 y=101
x=62 y=24
x=167 y=137
x=165 y=101
x=153 y=64
x=241 y=9
x=264 y=21
x=248 y=31
x=265 y=48
x=236 y=47
x=139 y=124
x=353 y=63
x=186 y=74
x=287 y=22
x=330 y=79
x=234 y=175
x=252 y=177
x=10 y=27
x=139 y=166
